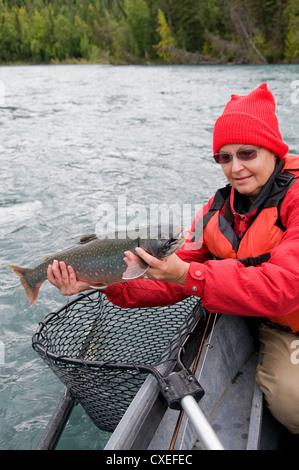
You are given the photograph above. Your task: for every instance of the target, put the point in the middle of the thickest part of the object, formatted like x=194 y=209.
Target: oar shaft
x=202 y=426
x=57 y=423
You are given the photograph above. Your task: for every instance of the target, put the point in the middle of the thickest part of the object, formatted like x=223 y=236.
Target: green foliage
x=187 y=24
x=292 y=34
x=121 y=31
x=41 y=30
x=138 y=18
x=167 y=40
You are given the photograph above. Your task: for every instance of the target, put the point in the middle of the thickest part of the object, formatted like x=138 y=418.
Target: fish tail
x=31 y=288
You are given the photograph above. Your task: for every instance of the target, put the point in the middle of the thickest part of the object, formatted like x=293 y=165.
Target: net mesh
x=81 y=341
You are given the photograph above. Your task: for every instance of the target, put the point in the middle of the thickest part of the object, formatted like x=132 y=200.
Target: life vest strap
x=251 y=260
x=283 y=179
x=277 y=326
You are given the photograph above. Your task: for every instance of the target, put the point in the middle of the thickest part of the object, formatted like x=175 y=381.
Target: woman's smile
x=239 y=182
x=242 y=178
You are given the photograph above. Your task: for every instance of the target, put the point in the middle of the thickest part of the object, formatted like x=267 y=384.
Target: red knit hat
x=250 y=119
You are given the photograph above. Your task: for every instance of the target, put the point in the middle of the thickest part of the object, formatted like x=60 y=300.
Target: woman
x=246 y=261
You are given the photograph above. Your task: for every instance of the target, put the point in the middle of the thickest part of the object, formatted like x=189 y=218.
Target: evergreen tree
x=240 y=31
x=292 y=32
x=138 y=17
x=167 y=42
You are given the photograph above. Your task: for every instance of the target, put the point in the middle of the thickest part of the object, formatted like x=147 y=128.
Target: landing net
x=103 y=353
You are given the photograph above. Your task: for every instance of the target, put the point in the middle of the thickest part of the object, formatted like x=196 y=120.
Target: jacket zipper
x=241 y=224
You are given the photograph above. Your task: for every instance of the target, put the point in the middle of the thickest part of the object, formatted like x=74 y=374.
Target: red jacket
x=227 y=286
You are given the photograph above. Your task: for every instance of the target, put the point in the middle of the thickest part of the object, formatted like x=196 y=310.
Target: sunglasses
x=244 y=155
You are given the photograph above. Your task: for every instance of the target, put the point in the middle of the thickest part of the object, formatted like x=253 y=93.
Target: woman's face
x=248 y=177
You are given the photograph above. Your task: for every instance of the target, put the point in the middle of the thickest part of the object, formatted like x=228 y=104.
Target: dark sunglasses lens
x=222 y=158
x=247 y=154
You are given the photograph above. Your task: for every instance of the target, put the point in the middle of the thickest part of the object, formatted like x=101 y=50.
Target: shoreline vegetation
x=149 y=32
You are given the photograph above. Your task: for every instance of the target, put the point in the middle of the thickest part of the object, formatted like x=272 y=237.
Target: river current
x=74 y=140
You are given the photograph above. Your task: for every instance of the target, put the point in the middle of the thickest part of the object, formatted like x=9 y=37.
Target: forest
x=149 y=31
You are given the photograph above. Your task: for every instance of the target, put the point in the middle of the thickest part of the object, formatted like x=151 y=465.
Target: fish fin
x=98 y=285
x=135 y=269
x=87 y=238
x=30 y=291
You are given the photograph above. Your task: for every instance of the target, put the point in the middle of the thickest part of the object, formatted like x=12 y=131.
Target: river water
x=75 y=139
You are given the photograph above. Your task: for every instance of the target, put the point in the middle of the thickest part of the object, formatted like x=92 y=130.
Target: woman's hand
x=64 y=277
x=170 y=269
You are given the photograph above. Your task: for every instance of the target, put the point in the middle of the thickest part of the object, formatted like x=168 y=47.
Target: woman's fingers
x=149 y=259
x=50 y=274
x=169 y=269
x=72 y=274
x=58 y=273
x=64 y=277
x=129 y=257
x=64 y=272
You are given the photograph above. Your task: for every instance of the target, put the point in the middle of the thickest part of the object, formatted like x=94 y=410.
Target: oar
x=194 y=413
x=202 y=426
x=57 y=423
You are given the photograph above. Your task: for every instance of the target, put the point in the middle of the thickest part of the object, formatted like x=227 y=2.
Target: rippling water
x=76 y=137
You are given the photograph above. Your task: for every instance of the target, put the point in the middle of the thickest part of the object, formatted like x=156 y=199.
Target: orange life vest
x=262 y=236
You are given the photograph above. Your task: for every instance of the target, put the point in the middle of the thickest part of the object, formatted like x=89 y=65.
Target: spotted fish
x=100 y=260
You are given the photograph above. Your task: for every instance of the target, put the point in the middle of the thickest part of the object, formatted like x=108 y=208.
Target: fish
x=99 y=260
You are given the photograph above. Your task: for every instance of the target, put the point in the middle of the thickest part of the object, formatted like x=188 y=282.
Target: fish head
x=165 y=243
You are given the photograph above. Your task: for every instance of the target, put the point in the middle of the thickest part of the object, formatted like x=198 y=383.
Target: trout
x=100 y=260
